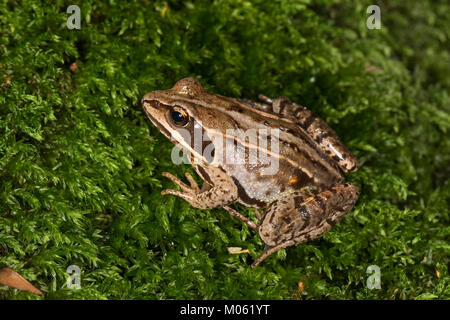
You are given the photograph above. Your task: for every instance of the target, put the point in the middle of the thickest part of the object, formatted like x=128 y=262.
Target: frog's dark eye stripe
x=178 y=116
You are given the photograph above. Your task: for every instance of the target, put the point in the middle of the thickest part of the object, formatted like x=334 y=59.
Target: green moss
x=81 y=167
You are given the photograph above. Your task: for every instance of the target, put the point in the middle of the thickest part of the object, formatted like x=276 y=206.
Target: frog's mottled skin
x=305 y=197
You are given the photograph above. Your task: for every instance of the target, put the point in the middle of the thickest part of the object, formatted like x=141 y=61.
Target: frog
x=303 y=198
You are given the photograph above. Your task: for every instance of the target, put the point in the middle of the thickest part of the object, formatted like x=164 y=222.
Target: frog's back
x=273 y=156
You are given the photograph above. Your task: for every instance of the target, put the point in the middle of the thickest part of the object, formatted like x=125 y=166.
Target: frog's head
x=178 y=114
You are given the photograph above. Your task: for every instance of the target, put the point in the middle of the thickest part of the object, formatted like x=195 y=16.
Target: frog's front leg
x=295 y=220
x=216 y=196
x=208 y=196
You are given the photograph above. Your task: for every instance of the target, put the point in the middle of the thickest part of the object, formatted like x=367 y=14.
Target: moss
x=81 y=167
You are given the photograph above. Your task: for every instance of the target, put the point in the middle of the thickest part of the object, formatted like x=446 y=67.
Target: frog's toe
x=167 y=191
x=177 y=181
x=192 y=182
x=184 y=195
x=170 y=176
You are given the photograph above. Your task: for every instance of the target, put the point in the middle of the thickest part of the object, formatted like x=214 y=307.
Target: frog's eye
x=179 y=116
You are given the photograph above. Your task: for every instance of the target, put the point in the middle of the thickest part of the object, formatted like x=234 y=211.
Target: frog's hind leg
x=300 y=220
x=317 y=129
x=325 y=137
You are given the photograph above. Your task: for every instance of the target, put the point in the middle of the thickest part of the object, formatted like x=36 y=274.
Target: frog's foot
x=299 y=220
x=203 y=199
x=192 y=189
x=187 y=192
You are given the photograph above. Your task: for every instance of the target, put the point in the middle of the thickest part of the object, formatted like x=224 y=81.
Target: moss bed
x=80 y=165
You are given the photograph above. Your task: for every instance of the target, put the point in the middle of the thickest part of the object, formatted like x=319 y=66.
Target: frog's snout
x=147 y=98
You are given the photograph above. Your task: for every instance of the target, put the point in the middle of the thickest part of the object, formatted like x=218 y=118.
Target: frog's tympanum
x=232 y=143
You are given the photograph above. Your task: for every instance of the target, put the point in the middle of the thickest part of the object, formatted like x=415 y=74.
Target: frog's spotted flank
x=304 y=194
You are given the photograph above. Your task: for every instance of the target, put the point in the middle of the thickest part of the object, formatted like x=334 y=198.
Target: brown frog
x=273 y=155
